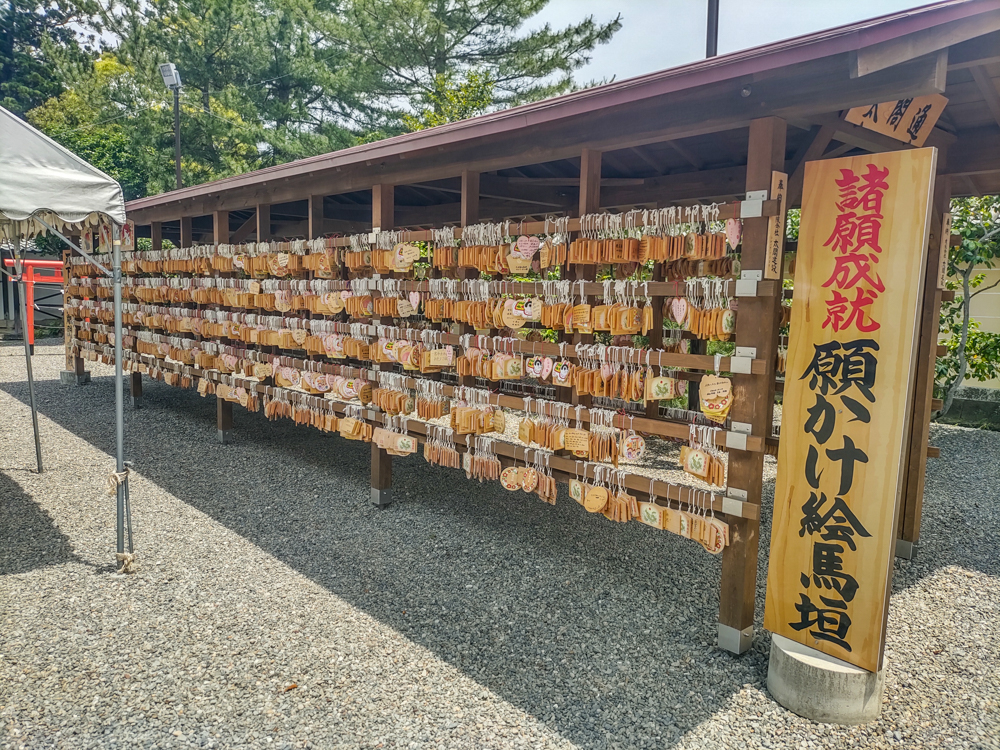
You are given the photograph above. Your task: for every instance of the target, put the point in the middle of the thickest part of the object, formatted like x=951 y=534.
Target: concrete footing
x=821 y=687
x=906 y=550
x=69 y=377
x=225 y=437
x=381 y=498
x=136 y=402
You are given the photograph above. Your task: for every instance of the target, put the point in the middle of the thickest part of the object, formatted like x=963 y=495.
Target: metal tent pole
x=27 y=351
x=120 y=486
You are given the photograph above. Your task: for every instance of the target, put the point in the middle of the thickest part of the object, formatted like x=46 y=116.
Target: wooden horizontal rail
x=726 y=211
x=546 y=349
x=660 y=427
x=693 y=499
x=933 y=451
x=765 y=288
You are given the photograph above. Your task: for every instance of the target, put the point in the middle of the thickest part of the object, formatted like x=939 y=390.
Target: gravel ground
x=276 y=608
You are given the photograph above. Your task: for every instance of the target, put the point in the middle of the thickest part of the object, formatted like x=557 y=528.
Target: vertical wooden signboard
x=942 y=280
x=859 y=275
x=776 y=227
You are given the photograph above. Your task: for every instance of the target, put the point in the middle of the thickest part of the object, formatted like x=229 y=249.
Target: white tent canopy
x=40 y=178
x=43 y=188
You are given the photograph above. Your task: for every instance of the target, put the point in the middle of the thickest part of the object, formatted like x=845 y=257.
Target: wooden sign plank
x=858 y=281
x=907 y=120
x=942 y=280
x=776 y=227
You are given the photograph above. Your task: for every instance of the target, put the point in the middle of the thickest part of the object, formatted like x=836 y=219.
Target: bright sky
x=658 y=34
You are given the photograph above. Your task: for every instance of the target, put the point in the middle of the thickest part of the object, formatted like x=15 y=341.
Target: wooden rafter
x=815 y=149
x=686 y=153
x=244 y=230
x=988 y=89
x=657 y=168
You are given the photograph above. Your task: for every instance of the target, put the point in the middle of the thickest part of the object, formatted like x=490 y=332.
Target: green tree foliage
x=270 y=81
x=418 y=48
x=80 y=119
x=971 y=351
x=32 y=36
x=451 y=102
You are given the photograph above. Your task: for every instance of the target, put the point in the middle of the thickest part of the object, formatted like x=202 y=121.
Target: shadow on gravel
x=29 y=539
x=959 y=526
x=605 y=632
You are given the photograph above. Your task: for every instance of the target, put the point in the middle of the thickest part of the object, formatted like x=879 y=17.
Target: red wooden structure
x=36 y=272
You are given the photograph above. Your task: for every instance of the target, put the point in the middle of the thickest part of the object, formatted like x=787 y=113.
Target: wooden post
x=470 y=198
x=915 y=462
x=590 y=181
x=220 y=223
x=656 y=333
x=263 y=222
x=383 y=208
x=223 y=408
x=469 y=213
x=135 y=389
x=315 y=216
x=753 y=403
x=75 y=371
x=156 y=236
x=590 y=203
x=186 y=234
x=224 y=419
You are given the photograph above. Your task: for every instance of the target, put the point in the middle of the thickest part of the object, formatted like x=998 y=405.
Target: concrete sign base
x=821 y=687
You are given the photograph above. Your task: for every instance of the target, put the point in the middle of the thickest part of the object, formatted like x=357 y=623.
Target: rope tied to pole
x=128 y=562
x=115 y=479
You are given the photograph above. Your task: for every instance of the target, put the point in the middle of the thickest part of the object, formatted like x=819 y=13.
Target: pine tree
x=418 y=49
x=31 y=35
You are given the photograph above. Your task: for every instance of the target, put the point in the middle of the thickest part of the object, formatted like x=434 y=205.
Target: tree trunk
x=963 y=340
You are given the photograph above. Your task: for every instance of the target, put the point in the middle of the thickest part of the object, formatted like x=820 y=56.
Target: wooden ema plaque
x=859 y=276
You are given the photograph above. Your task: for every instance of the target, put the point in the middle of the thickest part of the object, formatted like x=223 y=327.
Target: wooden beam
x=263 y=222
x=937 y=38
x=988 y=89
x=186 y=233
x=470 y=198
x=383 y=206
x=753 y=398
x=220 y=226
x=495 y=186
x=983 y=50
x=156 y=235
x=976 y=151
x=840 y=150
x=574 y=181
x=706 y=184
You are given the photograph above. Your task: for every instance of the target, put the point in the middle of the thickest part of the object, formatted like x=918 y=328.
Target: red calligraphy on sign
x=856 y=240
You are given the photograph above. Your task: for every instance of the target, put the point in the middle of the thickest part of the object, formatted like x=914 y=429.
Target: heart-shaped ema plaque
x=678 y=309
